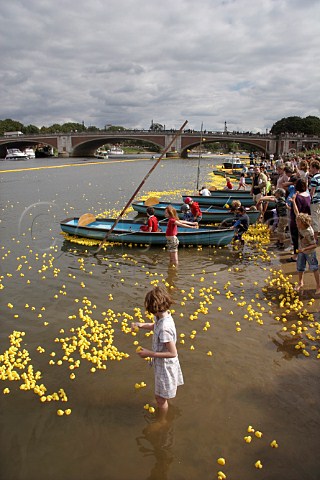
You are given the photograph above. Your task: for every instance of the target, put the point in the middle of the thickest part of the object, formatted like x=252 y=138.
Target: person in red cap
x=195 y=209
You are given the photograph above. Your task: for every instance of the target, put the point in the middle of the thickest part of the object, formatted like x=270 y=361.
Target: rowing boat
x=210 y=214
x=220 y=200
x=128 y=231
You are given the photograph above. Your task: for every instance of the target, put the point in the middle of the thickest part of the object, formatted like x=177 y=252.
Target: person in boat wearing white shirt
x=205 y=192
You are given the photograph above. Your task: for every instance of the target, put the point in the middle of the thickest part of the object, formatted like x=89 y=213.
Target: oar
x=227 y=202
x=125 y=208
x=151 y=201
x=85 y=219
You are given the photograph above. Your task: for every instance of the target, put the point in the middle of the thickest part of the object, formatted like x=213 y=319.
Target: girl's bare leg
x=300 y=282
x=317 y=279
x=174 y=258
x=163 y=406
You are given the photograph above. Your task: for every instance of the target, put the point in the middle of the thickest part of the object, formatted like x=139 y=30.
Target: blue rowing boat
x=128 y=231
x=221 y=199
x=210 y=214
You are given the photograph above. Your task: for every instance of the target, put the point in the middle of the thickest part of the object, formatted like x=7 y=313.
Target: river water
x=60 y=296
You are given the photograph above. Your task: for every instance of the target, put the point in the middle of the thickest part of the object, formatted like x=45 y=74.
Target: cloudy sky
x=127 y=62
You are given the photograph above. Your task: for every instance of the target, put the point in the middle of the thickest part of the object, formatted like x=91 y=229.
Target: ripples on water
x=254 y=376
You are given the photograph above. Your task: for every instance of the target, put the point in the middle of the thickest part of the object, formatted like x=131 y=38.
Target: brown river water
x=238 y=348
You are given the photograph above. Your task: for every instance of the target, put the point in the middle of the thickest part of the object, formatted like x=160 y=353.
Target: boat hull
x=15 y=154
x=210 y=214
x=128 y=231
x=221 y=200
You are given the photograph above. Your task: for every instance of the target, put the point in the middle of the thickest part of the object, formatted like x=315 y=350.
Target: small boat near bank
x=211 y=214
x=128 y=231
x=233 y=163
x=220 y=200
x=227 y=198
x=15 y=154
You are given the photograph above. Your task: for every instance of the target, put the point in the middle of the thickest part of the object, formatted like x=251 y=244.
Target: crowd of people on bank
x=296 y=193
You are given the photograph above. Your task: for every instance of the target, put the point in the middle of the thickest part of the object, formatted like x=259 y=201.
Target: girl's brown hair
x=305 y=219
x=172 y=212
x=301 y=185
x=303 y=165
x=158 y=300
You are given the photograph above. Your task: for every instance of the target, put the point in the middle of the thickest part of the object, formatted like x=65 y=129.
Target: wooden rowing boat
x=219 y=199
x=128 y=231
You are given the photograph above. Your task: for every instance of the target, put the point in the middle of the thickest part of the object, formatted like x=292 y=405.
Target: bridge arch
x=255 y=144
x=22 y=143
x=86 y=147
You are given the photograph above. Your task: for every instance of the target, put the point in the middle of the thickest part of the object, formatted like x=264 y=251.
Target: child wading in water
x=172 y=232
x=167 y=371
x=307 y=248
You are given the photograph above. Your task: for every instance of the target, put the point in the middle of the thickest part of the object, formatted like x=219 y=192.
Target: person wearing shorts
x=172 y=232
x=307 y=249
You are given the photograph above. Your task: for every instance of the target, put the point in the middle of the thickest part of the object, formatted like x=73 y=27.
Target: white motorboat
x=233 y=162
x=29 y=152
x=115 y=151
x=15 y=154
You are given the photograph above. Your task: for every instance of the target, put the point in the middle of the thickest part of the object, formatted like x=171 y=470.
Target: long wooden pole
x=125 y=208
x=200 y=148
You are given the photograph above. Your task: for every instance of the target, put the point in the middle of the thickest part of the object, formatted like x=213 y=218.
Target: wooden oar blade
x=85 y=219
x=152 y=201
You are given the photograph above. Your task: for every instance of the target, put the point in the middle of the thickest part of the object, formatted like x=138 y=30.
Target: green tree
x=9 y=125
x=309 y=125
x=31 y=129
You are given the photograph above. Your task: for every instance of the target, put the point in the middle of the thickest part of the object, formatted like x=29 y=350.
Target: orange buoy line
x=72 y=165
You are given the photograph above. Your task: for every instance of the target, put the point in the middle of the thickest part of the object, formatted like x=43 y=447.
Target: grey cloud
x=128 y=61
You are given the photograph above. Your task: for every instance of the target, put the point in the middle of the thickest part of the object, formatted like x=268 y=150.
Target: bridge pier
x=64 y=146
x=175 y=147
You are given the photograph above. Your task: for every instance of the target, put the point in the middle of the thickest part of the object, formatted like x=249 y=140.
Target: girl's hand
x=135 y=326
x=144 y=352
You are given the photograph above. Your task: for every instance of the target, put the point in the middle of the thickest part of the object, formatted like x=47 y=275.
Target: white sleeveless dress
x=168 y=374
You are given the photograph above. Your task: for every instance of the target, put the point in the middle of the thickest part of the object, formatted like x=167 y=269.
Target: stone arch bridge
x=85 y=144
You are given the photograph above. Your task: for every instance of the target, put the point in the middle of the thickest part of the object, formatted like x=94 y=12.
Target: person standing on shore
x=164 y=355
x=172 y=232
x=282 y=214
x=302 y=203
x=315 y=197
x=307 y=249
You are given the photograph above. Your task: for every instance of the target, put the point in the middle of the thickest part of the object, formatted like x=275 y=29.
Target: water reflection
x=286 y=345
x=157 y=440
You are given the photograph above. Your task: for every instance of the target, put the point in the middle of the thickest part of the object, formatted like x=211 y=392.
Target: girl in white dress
x=167 y=371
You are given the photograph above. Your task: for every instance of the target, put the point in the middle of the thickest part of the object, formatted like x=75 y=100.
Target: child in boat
x=164 y=355
x=152 y=224
x=195 y=209
x=205 y=192
x=187 y=214
x=229 y=185
x=172 y=232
